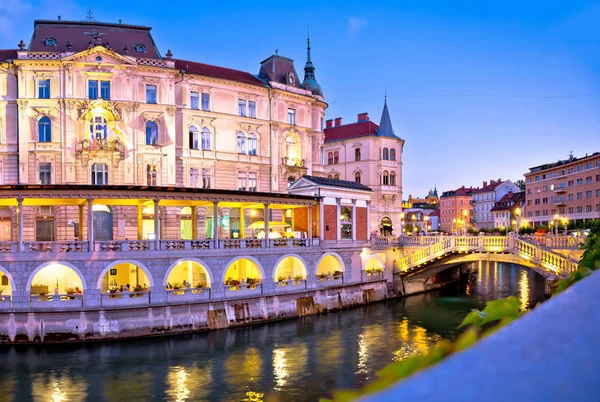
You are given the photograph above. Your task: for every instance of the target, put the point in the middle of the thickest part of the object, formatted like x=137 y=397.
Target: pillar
x=80 y=223
x=194 y=222
x=338 y=212
x=321 y=219
x=90 y=223
x=216 y=223
x=369 y=220
x=242 y=224
x=353 y=220
x=19 y=225
x=310 y=224
x=267 y=217
x=156 y=226
x=140 y=223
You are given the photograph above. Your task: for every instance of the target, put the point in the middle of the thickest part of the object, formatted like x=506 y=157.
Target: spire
x=385 y=126
x=310 y=82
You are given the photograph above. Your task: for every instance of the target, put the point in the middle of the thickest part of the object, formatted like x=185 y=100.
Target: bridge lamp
x=402 y=221
x=426 y=219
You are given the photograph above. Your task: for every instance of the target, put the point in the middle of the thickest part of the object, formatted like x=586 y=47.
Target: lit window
x=252 y=109
x=151 y=175
x=99 y=174
x=241 y=143
x=194 y=100
x=291 y=116
x=150 y=93
x=194 y=138
x=206 y=102
x=242 y=107
x=206 y=178
x=94 y=85
x=44 y=89
x=151 y=133
x=252 y=143
x=45 y=173
x=98 y=130
x=251 y=181
x=330 y=158
x=205 y=139
x=44 y=130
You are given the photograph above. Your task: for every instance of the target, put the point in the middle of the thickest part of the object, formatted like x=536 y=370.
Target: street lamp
x=402 y=221
x=414 y=225
x=565 y=222
x=518 y=215
x=425 y=219
x=465 y=213
x=556 y=220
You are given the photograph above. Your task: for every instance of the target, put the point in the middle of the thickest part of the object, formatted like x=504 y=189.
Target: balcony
x=559 y=190
x=98 y=148
x=560 y=203
x=294 y=162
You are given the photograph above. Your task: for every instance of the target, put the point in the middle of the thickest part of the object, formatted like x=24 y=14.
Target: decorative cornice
x=152 y=116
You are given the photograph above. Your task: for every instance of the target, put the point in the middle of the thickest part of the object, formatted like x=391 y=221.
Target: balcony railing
x=124 y=299
x=188 y=295
x=56 y=301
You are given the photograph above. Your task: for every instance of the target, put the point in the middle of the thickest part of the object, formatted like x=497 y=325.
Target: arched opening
x=44 y=130
x=330 y=267
x=373 y=266
x=336 y=176
x=6 y=285
x=194 y=138
x=206 y=139
x=385 y=226
x=385 y=178
x=357 y=177
x=357 y=154
x=125 y=275
x=292 y=150
x=241 y=143
x=242 y=270
x=392 y=154
x=185 y=223
x=5 y=224
x=392 y=178
x=290 y=269
x=385 y=154
x=188 y=272
x=103 y=223
x=56 y=276
x=252 y=144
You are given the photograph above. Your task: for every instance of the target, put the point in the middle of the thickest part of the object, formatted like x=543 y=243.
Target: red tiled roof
x=489 y=187
x=360 y=129
x=8 y=54
x=192 y=67
x=517 y=200
x=435 y=213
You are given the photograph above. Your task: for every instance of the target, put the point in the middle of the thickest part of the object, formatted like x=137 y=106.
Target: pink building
x=455 y=209
x=369 y=154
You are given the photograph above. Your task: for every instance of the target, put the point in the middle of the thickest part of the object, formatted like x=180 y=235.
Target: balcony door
x=103 y=223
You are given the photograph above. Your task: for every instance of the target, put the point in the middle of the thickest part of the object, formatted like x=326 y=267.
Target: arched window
x=386 y=178
x=337 y=176
x=330 y=158
x=151 y=133
x=357 y=154
x=393 y=154
x=386 y=155
x=357 y=177
x=392 y=178
x=241 y=143
x=44 y=130
x=252 y=144
x=98 y=129
x=206 y=139
x=194 y=138
x=329 y=176
x=99 y=174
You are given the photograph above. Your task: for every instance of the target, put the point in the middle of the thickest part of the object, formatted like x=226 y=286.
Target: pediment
x=100 y=54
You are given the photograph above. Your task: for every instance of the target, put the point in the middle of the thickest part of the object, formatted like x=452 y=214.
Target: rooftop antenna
x=90 y=15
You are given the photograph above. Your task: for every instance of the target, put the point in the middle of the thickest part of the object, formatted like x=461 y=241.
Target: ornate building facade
x=97 y=104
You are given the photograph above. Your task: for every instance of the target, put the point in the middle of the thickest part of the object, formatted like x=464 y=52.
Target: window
x=252 y=144
x=579 y=182
x=194 y=177
x=597 y=207
x=206 y=178
x=357 y=154
x=588 y=180
x=93 y=89
x=536 y=201
x=570 y=197
x=386 y=154
x=252 y=109
x=49 y=42
x=242 y=107
x=139 y=48
x=357 y=177
x=45 y=173
x=570 y=183
x=241 y=143
x=598 y=192
x=537 y=178
x=329 y=176
x=386 y=178
x=537 y=213
x=99 y=174
x=291 y=116
x=206 y=139
x=104 y=86
x=588 y=194
x=545 y=212
x=393 y=154
x=579 y=196
x=194 y=100
x=330 y=158
x=150 y=93
x=545 y=200
x=241 y=181
x=545 y=188
x=579 y=210
x=151 y=133
x=570 y=170
x=392 y=178
x=579 y=168
x=291 y=180
x=206 y=102
x=336 y=176
x=588 y=165
x=194 y=138
x=44 y=89
x=597 y=177
x=251 y=181
x=44 y=130
x=336 y=157
x=98 y=130
x=570 y=210
x=151 y=175
x=105 y=90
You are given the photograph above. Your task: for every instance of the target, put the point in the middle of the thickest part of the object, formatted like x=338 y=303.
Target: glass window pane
x=151 y=133
x=44 y=89
x=105 y=90
x=194 y=177
x=150 y=93
x=93 y=89
x=205 y=102
x=206 y=139
x=194 y=100
x=252 y=109
x=242 y=107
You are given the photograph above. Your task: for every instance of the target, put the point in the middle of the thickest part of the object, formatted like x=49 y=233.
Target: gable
x=100 y=54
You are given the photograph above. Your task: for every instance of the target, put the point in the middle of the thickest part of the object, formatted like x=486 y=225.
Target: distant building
x=485 y=198
x=454 y=206
x=567 y=188
x=430 y=201
x=509 y=210
x=370 y=154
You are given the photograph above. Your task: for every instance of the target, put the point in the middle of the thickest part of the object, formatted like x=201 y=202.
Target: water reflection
x=299 y=360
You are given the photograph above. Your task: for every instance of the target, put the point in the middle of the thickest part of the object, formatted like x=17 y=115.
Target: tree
x=520 y=184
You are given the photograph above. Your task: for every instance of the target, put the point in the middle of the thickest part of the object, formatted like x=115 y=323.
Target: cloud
x=355 y=24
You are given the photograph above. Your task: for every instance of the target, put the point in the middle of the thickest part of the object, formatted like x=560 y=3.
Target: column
x=156 y=225
x=310 y=224
x=19 y=225
x=353 y=220
x=267 y=217
x=242 y=224
x=369 y=221
x=338 y=213
x=194 y=222
x=321 y=219
x=140 y=223
x=90 y=223
x=216 y=223
x=80 y=223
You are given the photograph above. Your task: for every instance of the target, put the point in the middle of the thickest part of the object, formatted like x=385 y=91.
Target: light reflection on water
x=299 y=360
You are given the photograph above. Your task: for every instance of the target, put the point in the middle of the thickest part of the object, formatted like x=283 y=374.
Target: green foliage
x=590 y=261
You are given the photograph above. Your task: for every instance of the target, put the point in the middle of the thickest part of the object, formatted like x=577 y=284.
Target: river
x=293 y=360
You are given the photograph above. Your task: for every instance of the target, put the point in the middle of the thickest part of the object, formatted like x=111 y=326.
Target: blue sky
x=477 y=89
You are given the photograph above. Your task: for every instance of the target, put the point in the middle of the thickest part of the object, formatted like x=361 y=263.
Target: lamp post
x=565 y=222
x=414 y=222
x=402 y=222
x=518 y=216
x=465 y=213
x=425 y=220
x=556 y=220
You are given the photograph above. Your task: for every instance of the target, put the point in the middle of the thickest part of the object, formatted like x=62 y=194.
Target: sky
x=478 y=90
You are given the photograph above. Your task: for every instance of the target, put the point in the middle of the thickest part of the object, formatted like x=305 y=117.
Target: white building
x=484 y=199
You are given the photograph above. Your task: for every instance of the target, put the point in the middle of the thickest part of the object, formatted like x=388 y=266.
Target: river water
x=293 y=360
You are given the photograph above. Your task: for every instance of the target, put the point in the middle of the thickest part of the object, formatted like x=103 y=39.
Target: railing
x=555 y=241
x=291 y=284
x=384 y=241
x=242 y=243
x=371 y=275
x=188 y=294
x=54 y=246
x=243 y=289
x=419 y=240
x=124 y=299
x=8 y=247
x=56 y=301
x=124 y=245
x=526 y=250
x=289 y=243
x=330 y=279
x=186 y=244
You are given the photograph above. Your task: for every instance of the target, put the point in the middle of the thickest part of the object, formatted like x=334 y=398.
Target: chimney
x=484 y=183
x=363 y=117
x=338 y=121
x=329 y=123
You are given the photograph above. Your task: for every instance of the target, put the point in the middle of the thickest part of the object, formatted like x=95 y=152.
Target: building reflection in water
x=524 y=290
x=418 y=344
